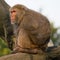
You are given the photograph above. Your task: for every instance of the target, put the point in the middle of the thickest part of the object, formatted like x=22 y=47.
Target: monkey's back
x=37 y=27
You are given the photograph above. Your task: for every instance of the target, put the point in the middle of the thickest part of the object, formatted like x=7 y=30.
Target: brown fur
x=33 y=28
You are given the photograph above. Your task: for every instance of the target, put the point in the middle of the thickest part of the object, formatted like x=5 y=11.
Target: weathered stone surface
x=24 y=56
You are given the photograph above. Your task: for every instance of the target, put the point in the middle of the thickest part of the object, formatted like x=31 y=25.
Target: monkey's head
x=16 y=13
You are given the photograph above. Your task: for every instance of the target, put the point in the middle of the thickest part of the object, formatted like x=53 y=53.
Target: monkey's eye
x=13 y=11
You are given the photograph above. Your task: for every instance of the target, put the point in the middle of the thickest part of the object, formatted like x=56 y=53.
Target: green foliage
x=4 y=50
x=54 y=37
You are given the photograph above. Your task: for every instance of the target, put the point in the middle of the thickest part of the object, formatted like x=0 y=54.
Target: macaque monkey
x=32 y=29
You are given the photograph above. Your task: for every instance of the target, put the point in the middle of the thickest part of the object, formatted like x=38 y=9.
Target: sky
x=49 y=8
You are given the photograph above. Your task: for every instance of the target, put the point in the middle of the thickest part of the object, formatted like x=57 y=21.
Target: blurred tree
x=54 y=34
x=4 y=50
x=5 y=26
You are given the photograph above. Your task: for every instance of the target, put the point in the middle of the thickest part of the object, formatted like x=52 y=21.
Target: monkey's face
x=17 y=13
x=13 y=15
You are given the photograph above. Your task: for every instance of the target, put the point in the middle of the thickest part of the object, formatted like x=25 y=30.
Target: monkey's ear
x=25 y=8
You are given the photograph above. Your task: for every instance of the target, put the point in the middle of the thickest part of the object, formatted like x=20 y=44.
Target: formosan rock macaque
x=32 y=29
